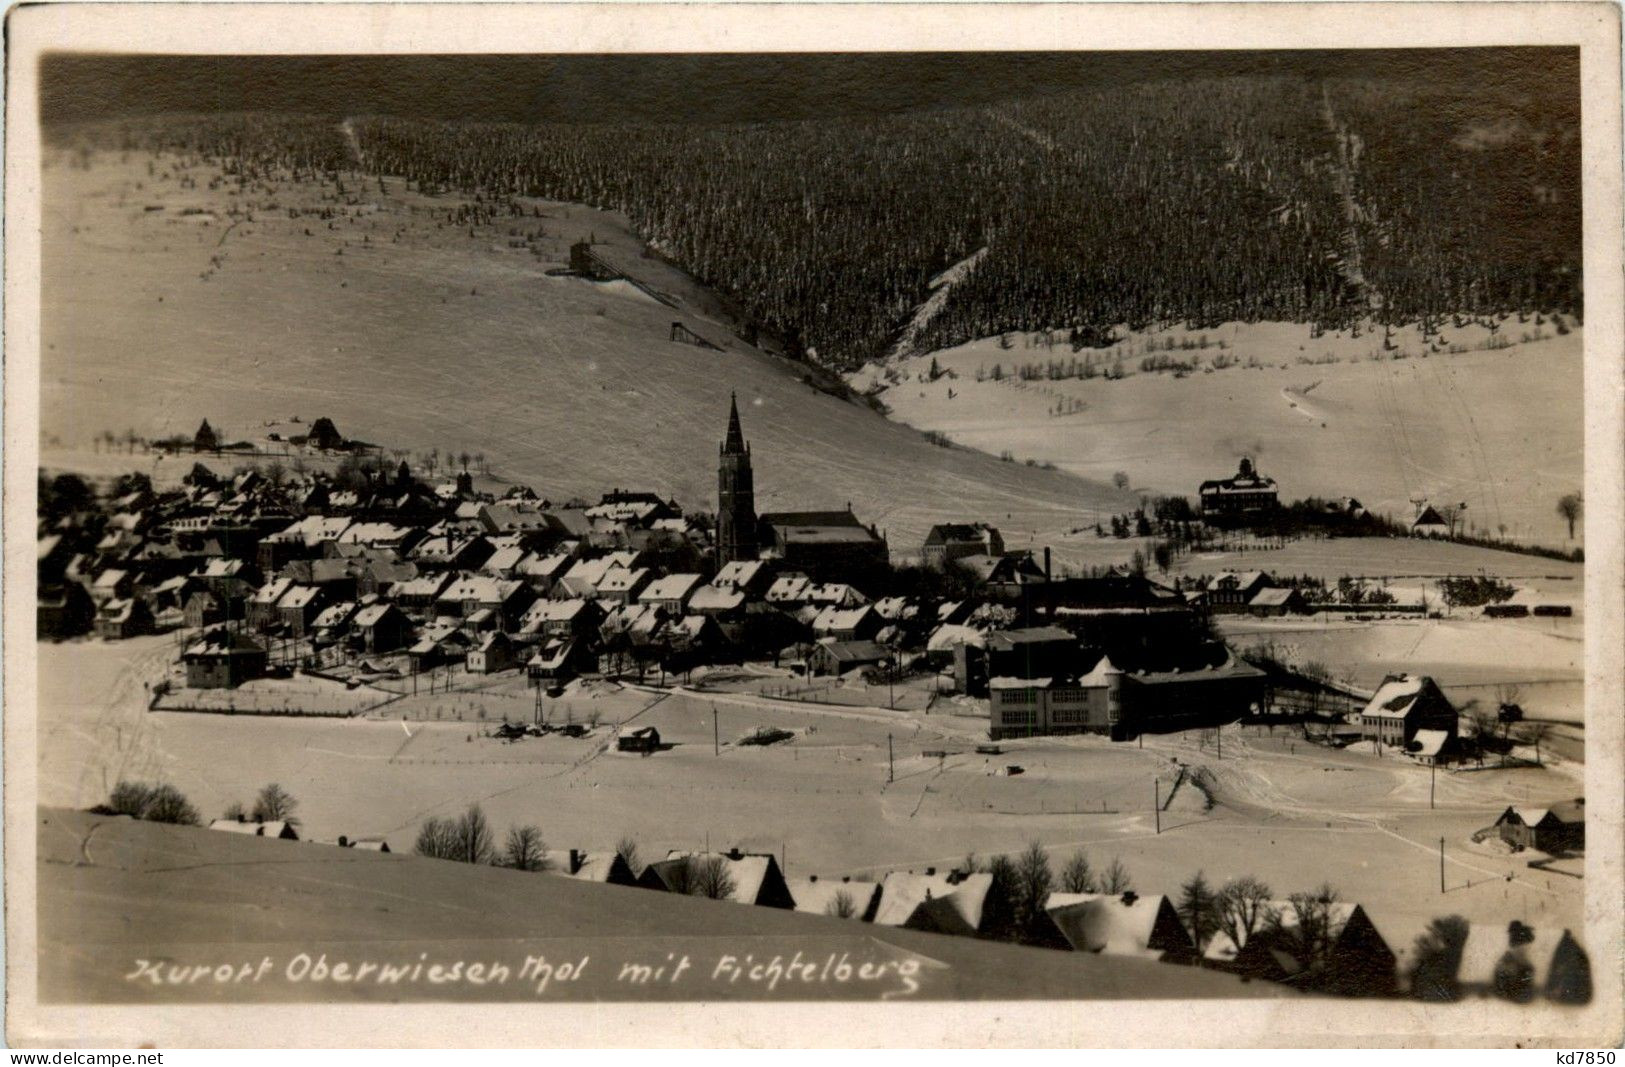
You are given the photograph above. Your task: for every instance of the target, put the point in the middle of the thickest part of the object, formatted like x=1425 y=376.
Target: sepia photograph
x=566 y=522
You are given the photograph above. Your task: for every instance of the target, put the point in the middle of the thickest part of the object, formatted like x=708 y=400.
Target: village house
x=300 y=540
x=1404 y=704
x=333 y=621
x=114 y=583
x=123 y=617
x=333 y=576
x=381 y=627
x=450 y=549
x=439 y=644
x=847 y=624
x=262 y=605
x=64 y=610
x=830 y=656
x=605 y=868
x=1429 y=523
x=954 y=903
x=1233 y=591
x=717 y=601
x=671 y=593
x=421 y=593
x=223 y=659
x=505 y=561
x=788 y=590
x=948 y=541
x=493 y=653
x=559 y=659
x=753 y=878
x=571 y=619
x=752 y=577
x=541 y=572
x=1127 y=924
x=1246 y=495
x=1001 y=575
x=279 y=830
x=298 y=607
x=841 y=898
x=644 y=740
x=1556 y=829
x=622 y=586
x=1277 y=602
x=1346 y=953
x=506 y=599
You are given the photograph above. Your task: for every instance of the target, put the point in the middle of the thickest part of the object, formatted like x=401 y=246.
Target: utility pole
x=1156 y=801
x=891 y=766
x=716 y=733
x=1441 y=865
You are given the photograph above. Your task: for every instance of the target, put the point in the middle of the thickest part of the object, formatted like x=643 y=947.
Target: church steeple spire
x=734 y=443
x=736 y=494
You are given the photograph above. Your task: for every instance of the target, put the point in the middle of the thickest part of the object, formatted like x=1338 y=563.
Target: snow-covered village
x=523 y=539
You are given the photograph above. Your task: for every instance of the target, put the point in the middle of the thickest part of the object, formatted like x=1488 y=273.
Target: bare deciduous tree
x=524 y=850
x=1116 y=879
x=1570 y=506
x=275 y=804
x=1034 y=880
x=436 y=839
x=166 y=804
x=627 y=849
x=1078 y=876
x=843 y=906
x=1243 y=907
x=709 y=877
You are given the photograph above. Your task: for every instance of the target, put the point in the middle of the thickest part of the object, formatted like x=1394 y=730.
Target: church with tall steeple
x=736 y=495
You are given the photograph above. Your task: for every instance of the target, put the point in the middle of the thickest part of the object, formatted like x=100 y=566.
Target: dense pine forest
x=1334 y=199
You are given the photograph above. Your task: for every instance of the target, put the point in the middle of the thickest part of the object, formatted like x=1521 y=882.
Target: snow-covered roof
x=1429 y=742
x=671 y=587
x=1107 y=923
x=747 y=872
x=819 y=896
x=934 y=900
x=944 y=638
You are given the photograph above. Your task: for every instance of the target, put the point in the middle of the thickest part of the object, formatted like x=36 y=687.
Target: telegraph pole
x=1441 y=865
x=891 y=766
x=1156 y=801
x=716 y=733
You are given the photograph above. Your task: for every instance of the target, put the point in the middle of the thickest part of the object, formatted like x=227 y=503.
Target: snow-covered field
x=414 y=332
x=1497 y=428
x=1288 y=812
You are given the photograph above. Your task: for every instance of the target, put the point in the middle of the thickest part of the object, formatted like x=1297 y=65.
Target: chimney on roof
x=344 y=842
x=734 y=853
x=930 y=870
x=846 y=877
x=812 y=878
x=1129 y=898
x=576 y=860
